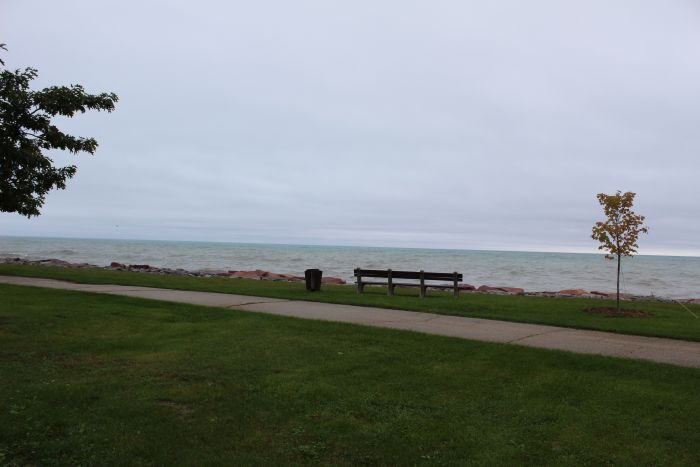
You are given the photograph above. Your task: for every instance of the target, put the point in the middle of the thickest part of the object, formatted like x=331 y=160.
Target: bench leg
x=390 y=290
x=360 y=288
x=422 y=284
x=423 y=291
x=456 y=292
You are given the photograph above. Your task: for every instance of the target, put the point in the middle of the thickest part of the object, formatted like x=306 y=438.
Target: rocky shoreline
x=260 y=274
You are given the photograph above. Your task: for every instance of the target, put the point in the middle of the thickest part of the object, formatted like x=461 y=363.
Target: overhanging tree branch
x=26 y=174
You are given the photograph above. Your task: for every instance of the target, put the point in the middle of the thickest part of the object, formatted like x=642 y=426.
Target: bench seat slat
x=395 y=284
x=441 y=276
x=429 y=276
x=410 y=284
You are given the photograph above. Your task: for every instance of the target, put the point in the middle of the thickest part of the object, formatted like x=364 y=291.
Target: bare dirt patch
x=614 y=312
x=179 y=408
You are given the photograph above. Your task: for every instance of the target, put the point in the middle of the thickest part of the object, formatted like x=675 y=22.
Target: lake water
x=664 y=276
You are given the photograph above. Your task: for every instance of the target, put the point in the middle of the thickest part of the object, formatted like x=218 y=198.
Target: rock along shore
x=260 y=274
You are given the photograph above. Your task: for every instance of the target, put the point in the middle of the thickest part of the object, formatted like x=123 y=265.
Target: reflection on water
x=667 y=276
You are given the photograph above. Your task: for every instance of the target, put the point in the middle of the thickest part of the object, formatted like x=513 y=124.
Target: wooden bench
x=421 y=276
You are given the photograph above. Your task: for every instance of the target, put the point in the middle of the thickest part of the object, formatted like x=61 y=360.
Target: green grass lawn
x=89 y=379
x=669 y=320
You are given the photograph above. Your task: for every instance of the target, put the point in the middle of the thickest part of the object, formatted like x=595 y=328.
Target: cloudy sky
x=449 y=124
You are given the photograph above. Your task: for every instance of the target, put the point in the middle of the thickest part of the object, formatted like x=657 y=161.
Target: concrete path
x=671 y=351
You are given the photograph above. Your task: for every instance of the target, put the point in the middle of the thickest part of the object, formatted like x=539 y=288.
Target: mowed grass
x=88 y=379
x=668 y=320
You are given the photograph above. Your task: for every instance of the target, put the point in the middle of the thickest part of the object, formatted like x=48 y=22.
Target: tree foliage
x=619 y=232
x=26 y=132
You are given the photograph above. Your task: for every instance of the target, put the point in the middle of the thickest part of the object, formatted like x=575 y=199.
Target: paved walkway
x=672 y=351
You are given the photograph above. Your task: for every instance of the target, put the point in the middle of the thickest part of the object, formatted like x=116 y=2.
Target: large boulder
x=573 y=292
x=332 y=280
x=291 y=278
x=271 y=276
x=53 y=262
x=244 y=274
x=611 y=295
x=211 y=272
x=501 y=290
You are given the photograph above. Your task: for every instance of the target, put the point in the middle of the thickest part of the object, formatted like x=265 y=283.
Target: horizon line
x=670 y=253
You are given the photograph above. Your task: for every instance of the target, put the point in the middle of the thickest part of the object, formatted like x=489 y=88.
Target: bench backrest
x=429 y=276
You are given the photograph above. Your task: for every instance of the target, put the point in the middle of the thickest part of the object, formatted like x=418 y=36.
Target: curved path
x=676 y=352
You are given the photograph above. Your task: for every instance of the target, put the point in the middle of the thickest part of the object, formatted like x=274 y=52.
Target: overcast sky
x=447 y=124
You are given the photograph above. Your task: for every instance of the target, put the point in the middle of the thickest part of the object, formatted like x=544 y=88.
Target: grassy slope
x=97 y=379
x=669 y=320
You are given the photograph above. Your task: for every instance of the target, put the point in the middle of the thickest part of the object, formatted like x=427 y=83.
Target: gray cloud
x=442 y=124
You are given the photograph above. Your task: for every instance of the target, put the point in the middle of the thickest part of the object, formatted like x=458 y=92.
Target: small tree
x=26 y=174
x=619 y=232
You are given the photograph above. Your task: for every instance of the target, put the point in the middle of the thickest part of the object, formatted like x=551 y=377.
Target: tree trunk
x=618 y=282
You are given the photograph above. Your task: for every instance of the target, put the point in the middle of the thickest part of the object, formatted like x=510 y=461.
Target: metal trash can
x=313 y=279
